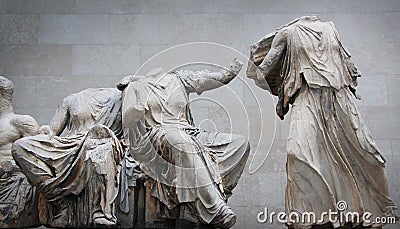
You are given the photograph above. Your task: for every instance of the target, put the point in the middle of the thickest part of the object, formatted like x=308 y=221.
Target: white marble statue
x=18 y=199
x=77 y=173
x=331 y=156
x=193 y=171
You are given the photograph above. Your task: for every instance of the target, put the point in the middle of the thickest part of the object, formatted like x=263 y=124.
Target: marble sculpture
x=331 y=156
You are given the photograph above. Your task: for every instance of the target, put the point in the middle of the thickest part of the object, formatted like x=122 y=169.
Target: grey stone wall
x=51 y=48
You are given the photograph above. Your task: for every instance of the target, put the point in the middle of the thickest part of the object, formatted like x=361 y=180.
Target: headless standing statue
x=18 y=202
x=331 y=156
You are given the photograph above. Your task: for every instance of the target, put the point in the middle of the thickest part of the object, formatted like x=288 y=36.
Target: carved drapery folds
x=331 y=156
x=90 y=164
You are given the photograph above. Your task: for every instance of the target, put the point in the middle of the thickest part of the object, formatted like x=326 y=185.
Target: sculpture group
x=105 y=146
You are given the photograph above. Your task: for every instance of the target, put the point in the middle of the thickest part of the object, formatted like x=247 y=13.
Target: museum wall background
x=52 y=48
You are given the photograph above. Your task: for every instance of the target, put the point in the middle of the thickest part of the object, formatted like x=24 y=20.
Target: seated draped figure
x=77 y=172
x=18 y=199
x=192 y=171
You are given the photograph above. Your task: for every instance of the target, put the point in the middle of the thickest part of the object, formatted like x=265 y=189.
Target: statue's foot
x=103 y=222
x=227 y=220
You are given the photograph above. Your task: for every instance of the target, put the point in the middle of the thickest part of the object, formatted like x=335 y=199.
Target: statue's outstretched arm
x=225 y=76
x=204 y=80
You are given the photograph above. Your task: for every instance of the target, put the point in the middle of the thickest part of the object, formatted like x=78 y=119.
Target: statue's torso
x=318 y=54
x=9 y=133
x=87 y=108
x=166 y=102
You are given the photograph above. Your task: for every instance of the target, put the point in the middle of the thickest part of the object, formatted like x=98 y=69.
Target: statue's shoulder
x=90 y=93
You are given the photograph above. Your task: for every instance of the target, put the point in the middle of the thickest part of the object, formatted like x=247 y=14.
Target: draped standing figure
x=331 y=156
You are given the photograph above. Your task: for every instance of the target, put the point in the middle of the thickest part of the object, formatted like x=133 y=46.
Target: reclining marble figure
x=77 y=173
x=18 y=199
x=331 y=156
x=193 y=171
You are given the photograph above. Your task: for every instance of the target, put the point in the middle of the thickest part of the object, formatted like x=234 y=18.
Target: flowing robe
x=77 y=174
x=18 y=201
x=331 y=154
x=192 y=171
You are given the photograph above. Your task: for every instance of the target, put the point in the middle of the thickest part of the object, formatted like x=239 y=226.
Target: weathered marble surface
x=368 y=28
x=75 y=162
x=331 y=154
x=193 y=172
x=77 y=173
x=18 y=199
